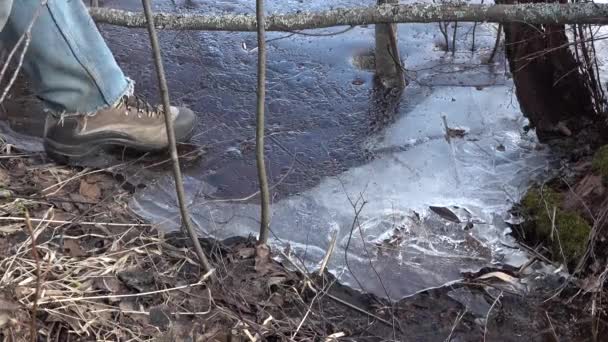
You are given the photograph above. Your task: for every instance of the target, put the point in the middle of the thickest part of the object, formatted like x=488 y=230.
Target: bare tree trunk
x=553 y=13
x=473 y=40
x=474 y=29
x=388 y=62
x=443 y=28
x=550 y=88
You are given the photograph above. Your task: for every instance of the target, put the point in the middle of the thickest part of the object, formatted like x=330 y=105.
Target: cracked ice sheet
x=414 y=167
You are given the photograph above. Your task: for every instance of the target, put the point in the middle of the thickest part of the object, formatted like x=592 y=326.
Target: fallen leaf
x=456 y=132
x=129 y=308
x=18 y=170
x=138 y=279
x=445 y=213
x=245 y=253
x=4 y=177
x=276 y=280
x=4 y=319
x=72 y=248
x=506 y=278
x=67 y=206
x=6 y=194
x=8 y=306
x=334 y=336
x=109 y=284
x=90 y=191
x=160 y=316
x=10 y=229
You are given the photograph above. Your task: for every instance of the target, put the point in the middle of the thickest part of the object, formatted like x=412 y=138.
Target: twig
x=30 y=231
x=308 y=311
x=552 y=327
x=341 y=301
x=27 y=37
x=259 y=131
x=455 y=325
x=485 y=329
x=453 y=152
x=206 y=276
x=177 y=174
x=329 y=252
x=350 y=236
x=454 y=38
x=356 y=308
x=85 y=223
x=26 y=45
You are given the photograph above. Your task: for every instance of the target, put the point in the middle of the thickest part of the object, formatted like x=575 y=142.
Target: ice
x=428 y=251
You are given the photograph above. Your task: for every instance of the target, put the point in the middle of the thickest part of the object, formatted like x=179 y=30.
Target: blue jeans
x=68 y=62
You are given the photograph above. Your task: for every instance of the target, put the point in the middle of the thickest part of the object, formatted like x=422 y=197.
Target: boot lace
x=141 y=106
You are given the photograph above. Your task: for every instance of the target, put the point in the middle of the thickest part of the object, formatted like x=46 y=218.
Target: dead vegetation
x=95 y=272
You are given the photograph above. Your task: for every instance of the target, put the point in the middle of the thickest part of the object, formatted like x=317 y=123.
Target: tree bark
x=388 y=60
x=531 y=13
x=550 y=89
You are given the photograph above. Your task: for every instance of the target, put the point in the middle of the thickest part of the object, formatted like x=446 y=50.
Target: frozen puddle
x=409 y=246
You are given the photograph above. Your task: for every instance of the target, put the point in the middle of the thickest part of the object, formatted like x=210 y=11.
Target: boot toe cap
x=184 y=124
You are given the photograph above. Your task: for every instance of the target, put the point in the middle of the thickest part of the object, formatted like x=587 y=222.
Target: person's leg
x=68 y=63
x=5 y=11
x=73 y=71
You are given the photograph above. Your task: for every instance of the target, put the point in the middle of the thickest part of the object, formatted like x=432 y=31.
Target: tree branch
x=30 y=231
x=553 y=13
x=260 y=125
x=177 y=174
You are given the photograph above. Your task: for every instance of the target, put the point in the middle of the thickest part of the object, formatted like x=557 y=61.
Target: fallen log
x=531 y=13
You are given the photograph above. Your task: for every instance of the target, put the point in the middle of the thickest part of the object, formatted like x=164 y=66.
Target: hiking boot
x=131 y=123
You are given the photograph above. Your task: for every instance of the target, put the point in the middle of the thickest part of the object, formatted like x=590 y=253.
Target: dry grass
x=73 y=291
x=104 y=275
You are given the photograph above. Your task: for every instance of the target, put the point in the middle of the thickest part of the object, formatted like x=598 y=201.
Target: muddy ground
x=127 y=281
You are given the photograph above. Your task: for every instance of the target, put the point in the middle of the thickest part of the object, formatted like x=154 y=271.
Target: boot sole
x=83 y=150
x=62 y=152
